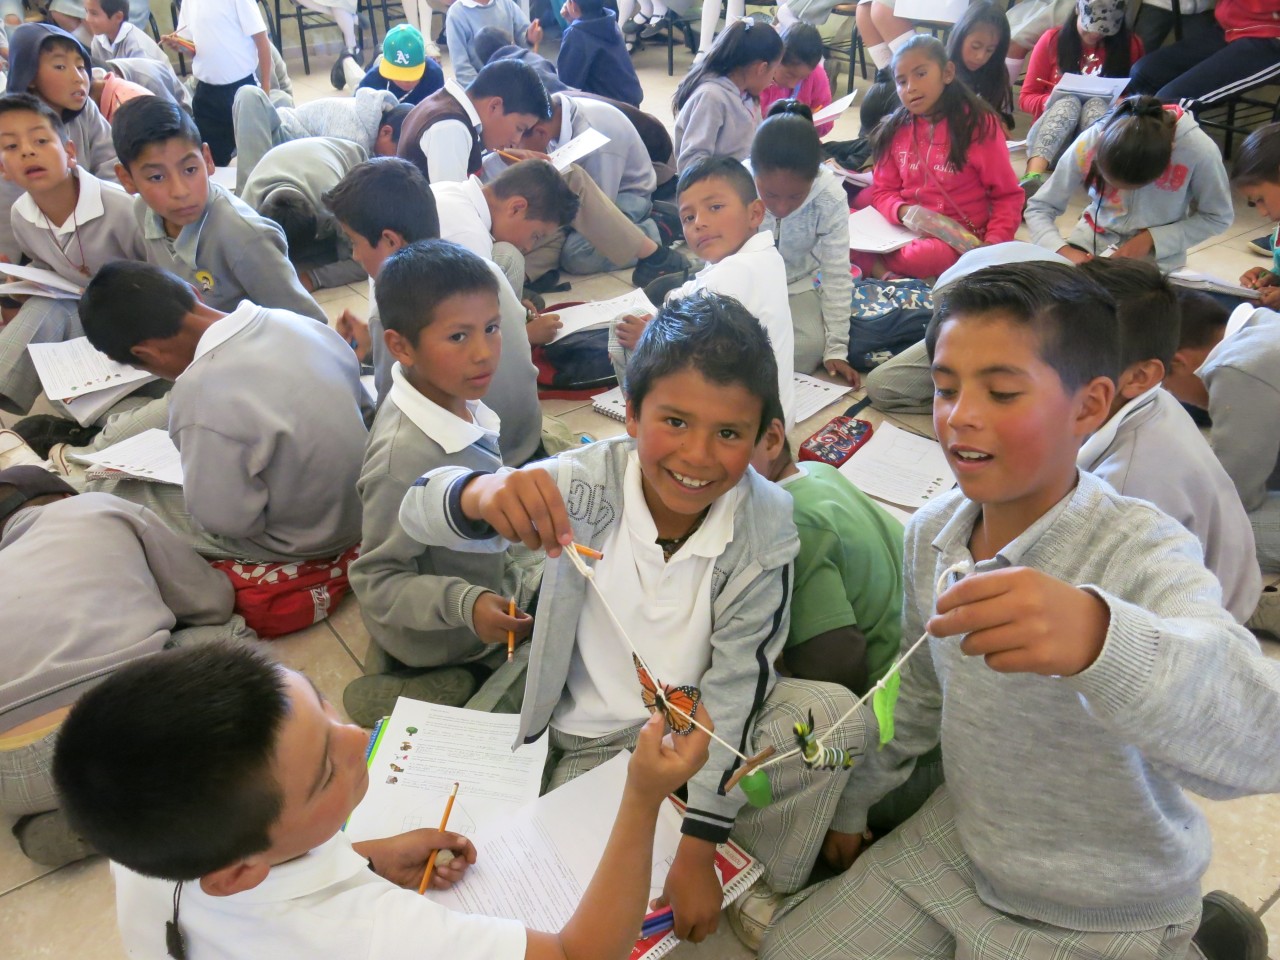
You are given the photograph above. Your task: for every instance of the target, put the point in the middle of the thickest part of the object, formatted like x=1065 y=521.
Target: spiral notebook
x=811 y=395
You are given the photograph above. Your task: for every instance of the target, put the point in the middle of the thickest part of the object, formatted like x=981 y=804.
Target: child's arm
x=989 y=153
x=572 y=60
x=836 y=656
x=832 y=250
x=264 y=60
x=268 y=278
x=223 y=493
x=458 y=37
x=886 y=187
x=1041 y=76
x=1209 y=194
x=1245 y=437
x=182 y=576
x=98 y=155
x=1052 y=198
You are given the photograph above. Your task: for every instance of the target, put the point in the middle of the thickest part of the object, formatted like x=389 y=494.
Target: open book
x=34 y=281
x=870 y=232
x=1195 y=280
x=86 y=381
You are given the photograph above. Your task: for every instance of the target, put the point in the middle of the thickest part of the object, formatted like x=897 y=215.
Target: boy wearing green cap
x=404 y=67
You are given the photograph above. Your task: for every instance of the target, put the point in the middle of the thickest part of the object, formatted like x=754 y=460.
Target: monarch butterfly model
x=822 y=758
x=684 y=700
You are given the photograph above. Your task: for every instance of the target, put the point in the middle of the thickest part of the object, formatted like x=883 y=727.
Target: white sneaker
x=751 y=914
x=1266 y=618
x=14 y=452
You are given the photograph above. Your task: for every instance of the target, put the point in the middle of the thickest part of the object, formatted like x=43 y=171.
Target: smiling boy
x=697 y=562
x=1072 y=718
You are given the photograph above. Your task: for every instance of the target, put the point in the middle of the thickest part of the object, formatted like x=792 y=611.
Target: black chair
x=1241 y=115
x=846 y=51
x=311 y=20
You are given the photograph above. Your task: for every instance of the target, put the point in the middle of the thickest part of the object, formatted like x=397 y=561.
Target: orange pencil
x=431 y=860
x=508 y=156
x=511 y=634
x=588 y=552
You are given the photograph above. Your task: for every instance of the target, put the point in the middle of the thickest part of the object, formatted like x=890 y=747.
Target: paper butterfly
x=683 y=699
x=816 y=756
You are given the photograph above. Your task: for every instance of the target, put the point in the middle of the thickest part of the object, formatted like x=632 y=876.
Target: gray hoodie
x=750 y=606
x=355 y=118
x=1190 y=202
x=716 y=120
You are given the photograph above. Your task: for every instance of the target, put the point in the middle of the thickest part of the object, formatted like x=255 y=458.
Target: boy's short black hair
x=290 y=209
x=802 y=44
x=65 y=44
x=488 y=41
x=1203 y=319
x=1146 y=307
x=417 y=279
x=128 y=302
x=30 y=103
x=1073 y=318
x=385 y=193
x=724 y=168
x=714 y=335
x=590 y=8
x=539 y=182
x=517 y=83
x=112 y=7
x=1258 y=160
x=394 y=118
x=143 y=121
x=165 y=767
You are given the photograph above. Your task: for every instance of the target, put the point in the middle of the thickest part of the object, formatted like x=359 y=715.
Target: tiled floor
x=69 y=911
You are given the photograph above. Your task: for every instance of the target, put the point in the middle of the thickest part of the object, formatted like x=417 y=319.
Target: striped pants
x=1204 y=69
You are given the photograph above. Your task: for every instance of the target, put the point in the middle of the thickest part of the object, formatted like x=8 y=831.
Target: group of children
x=1080 y=599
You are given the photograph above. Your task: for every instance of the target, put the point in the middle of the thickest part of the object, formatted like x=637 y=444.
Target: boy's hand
x=629 y=329
x=1258 y=277
x=354 y=330
x=1269 y=297
x=1024 y=621
x=839 y=850
x=1074 y=254
x=661 y=765
x=841 y=369
x=521 y=154
x=1136 y=247
x=402 y=858
x=542 y=328
x=534 y=34
x=693 y=890
x=523 y=506
x=492 y=621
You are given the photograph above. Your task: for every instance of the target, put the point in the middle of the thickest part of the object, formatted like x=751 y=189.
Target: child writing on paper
x=800 y=75
x=943 y=149
x=438 y=618
x=697 y=562
x=717 y=105
x=1095 y=40
x=1257 y=174
x=245 y=822
x=1155 y=182
x=978 y=47
x=807 y=214
x=1052 y=701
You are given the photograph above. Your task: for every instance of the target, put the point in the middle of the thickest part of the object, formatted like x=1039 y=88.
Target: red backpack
x=280 y=598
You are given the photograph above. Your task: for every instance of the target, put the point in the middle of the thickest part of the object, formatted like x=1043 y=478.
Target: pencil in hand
x=431 y=860
x=511 y=634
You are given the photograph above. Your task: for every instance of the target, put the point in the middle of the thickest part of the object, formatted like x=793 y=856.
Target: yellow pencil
x=507 y=156
x=511 y=634
x=588 y=552
x=431 y=860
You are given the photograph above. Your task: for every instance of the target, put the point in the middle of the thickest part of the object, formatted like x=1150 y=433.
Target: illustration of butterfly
x=682 y=699
x=823 y=758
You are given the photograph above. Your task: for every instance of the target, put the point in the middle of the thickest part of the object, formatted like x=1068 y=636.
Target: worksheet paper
x=149 y=455
x=1186 y=277
x=74 y=368
x=424 y=749
x=812 y=394
x=50 y=283
x=601 y=313
x=1086 y=86
x=932 y=11
x=832 y=110
x=525 y=869
x=577 y=148
x=899 y=468
x=870 y=232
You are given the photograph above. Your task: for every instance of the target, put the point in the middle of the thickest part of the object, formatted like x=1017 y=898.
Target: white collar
x=220 y=331
x=473 y=190
x=124 y=32
x=1092 y=449
x=802 y=471
x=459 y=93
x=445 y=428
x=757 y=243
x=475 y=3
x=318 y=869
x=709 y=540
x=1239 y=319
x=88 y=206
x=566 y=122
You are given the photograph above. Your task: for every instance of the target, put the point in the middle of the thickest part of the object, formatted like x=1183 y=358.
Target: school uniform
x=416 y=600
x=102 y=228
x=269 y=420
x=1152 y=450
x=157 y=77
x=593 y=57
x=1063 y=828
x=432 y=79
x=441 y=135
x=718 y=119
x=116 y=92
x=129 y=42
x=714 y=615
x=466 y=18
x=325 y=904
x=465 y=220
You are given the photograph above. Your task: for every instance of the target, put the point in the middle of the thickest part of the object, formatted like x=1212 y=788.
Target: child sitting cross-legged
x=1073 y=719
x=697 y=563
x=235 y=838
x=438 y=617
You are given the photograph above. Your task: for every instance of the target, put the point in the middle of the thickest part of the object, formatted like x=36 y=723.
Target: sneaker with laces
x=751 y=914
x=654 y=266
x=1229 y=930
x=1266 y=617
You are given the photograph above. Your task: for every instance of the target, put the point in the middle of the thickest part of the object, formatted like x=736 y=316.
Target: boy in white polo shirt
x=114 y=37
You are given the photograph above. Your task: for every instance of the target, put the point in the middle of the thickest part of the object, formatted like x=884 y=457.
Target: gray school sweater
x=1242 y=374
x=230 y=254
x=623 y=164
x=157 y=77
x=311 y=166
x=417 y=601
x=1152 y=450
x=271 y=427
x=1069 y=791
x=750 y=606
x=716 y=120
x=464 y=21
x=88 y=584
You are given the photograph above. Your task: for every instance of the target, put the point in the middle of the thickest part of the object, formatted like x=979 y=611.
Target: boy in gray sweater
x=697 y=561
x=267 y=412
x=1072 y=719
x=466 y=18
x=430 y=608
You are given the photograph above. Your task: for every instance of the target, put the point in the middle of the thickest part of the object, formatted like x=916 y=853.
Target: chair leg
x=302 y=40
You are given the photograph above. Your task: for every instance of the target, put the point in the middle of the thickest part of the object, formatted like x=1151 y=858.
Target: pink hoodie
x=814 y=91
x=983 y=195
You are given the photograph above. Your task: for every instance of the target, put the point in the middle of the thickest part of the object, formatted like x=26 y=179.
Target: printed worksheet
x=899 y=467
x=149 y=455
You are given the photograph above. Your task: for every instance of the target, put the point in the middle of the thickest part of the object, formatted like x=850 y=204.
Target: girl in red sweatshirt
x=943 y=150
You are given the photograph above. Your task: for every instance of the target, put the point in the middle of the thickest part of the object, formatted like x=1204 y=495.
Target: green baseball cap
x=403 y=54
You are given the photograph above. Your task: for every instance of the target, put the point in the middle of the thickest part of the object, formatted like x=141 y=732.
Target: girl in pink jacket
x=943 y=150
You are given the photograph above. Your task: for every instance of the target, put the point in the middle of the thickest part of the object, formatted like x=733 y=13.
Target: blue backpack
x=887 y=316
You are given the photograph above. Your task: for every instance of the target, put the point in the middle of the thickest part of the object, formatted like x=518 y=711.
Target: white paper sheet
x=425 y=749
x=577 y=148
x=1186 y=277
x=74 y=368
x=224 y=177
x=25 y=288
x=603 y=312
x=88 y=408
x=1087 y=85
x=899 y=467
x=870 y=232
x=46 y=278
x=834 y=109
x=812 y=394
x=150 y=455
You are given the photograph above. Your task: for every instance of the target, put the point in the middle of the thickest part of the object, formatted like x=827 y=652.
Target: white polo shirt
x=325 y=904
x=464 y=215
x=665 y=606
x=443 y=426
x=223 y=32
x=447 y=144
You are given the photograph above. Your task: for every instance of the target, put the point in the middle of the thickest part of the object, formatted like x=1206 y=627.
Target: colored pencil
x=588 y=552
x=431 y=860
x=511 y=634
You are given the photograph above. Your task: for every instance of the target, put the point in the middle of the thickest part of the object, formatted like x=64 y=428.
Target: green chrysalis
x=756 y=787
x=883 y=703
